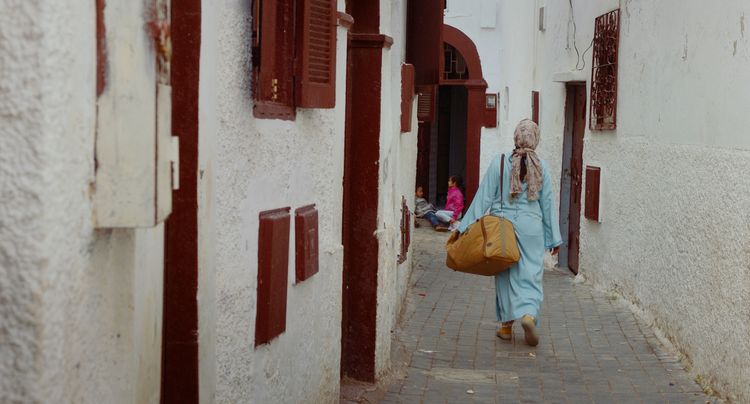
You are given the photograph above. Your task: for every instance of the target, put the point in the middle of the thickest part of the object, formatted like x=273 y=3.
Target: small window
x=294 y=56
x=454 y=65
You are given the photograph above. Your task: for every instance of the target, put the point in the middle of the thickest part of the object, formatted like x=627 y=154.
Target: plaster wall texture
x=674 y=234
x=398 y=154
x=249 y=165
x=80 y=309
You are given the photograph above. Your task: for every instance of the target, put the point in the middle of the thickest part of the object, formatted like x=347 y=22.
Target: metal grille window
x=455 y=65
x=604 y=72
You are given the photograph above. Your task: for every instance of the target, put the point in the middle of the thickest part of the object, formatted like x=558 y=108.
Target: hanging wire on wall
x=580 y=58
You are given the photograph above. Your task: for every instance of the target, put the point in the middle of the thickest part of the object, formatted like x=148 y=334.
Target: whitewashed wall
x=80 y=309
x=249 y=165
x=674 y=237
x=398 y=163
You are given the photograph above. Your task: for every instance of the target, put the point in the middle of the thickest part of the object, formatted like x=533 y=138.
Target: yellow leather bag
x=487 y=247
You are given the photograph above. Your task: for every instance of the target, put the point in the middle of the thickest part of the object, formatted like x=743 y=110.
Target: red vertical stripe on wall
x=101 y=48
x=180 y=324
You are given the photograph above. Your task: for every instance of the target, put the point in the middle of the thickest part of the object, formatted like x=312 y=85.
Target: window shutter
x=407 y=96
x=426 y=104
x=316 y=57
x=273 y=53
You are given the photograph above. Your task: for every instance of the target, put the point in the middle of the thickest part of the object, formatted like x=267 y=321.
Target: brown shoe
x=529 y=328
x=506 y=331
x=441 y=229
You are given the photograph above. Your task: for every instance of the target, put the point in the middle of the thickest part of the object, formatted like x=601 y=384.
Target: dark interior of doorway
x=449 y=156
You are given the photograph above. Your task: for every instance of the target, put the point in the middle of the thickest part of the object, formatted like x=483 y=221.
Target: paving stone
x=592 y=349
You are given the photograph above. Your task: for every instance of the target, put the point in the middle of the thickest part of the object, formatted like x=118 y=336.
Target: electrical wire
x=580 y=58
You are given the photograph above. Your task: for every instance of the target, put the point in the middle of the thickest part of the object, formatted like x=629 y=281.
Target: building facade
x=661 y=220
x=199 y=206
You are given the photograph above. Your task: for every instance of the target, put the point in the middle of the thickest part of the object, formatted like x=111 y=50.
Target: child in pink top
x=454 y=206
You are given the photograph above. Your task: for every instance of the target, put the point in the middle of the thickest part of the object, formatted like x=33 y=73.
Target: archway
x=451 y=144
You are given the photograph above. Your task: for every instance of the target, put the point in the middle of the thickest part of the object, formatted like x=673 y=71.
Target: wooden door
x=577 y=107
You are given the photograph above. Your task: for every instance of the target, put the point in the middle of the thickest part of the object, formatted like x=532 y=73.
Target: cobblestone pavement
x=592 y=348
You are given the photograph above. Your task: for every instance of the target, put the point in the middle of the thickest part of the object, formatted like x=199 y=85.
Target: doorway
x=449 y=158
x=572 y=174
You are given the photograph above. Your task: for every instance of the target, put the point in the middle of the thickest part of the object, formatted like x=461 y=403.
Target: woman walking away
x=529 y=205
x=454 y=205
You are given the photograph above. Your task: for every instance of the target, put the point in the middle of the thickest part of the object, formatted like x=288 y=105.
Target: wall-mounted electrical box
x=592 y=209
x=306 y=245
x=273 y=267
x=490 y=110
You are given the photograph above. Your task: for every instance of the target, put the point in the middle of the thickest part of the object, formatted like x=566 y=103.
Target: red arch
x=454 y=37
x=477 y=87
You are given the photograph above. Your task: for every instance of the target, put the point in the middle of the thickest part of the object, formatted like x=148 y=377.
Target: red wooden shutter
x=273 y=54
x=407 y=96
x=316 y=54
x=426 y=104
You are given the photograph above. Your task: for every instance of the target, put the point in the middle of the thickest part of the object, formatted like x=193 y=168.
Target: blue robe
x=519 y=289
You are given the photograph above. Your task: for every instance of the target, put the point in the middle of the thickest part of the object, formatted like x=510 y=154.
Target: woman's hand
x=556 y=250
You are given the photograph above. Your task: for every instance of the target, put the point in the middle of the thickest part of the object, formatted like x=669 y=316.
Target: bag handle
x=502 y=178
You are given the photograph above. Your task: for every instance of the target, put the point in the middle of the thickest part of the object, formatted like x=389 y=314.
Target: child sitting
x=454 y=206
x=425 y=210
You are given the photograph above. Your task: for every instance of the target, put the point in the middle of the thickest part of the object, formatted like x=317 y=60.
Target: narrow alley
x=227 y=202
x=592 y=348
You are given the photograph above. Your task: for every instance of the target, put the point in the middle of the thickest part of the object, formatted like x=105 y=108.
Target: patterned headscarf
x=526 y=138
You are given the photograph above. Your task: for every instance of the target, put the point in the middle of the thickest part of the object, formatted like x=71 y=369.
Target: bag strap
x=502 y=177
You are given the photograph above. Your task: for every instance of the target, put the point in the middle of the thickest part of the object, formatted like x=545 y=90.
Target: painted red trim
x=345 y=20
x=361 y=246
x=361 y=177
x=271 y=110
x=101 y=48
x=179 y=382
x=378 y=41
x=474 y=121
x=454 y=37
x=476 y=118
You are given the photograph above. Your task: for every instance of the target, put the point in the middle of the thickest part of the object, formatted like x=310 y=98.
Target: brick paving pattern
x=592 y=348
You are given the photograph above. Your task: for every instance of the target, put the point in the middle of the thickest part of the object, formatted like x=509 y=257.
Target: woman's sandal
x=506 y=331
x=529 y=328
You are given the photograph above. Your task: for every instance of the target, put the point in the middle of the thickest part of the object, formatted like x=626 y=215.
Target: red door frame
x=361 y=178
x=477 y=88
x=576 y=100
x=179 y=370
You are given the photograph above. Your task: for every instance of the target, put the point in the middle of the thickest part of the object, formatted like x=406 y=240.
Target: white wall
x=80 y=309
x=674 y=237
x=398 y=165
x=247 y=166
